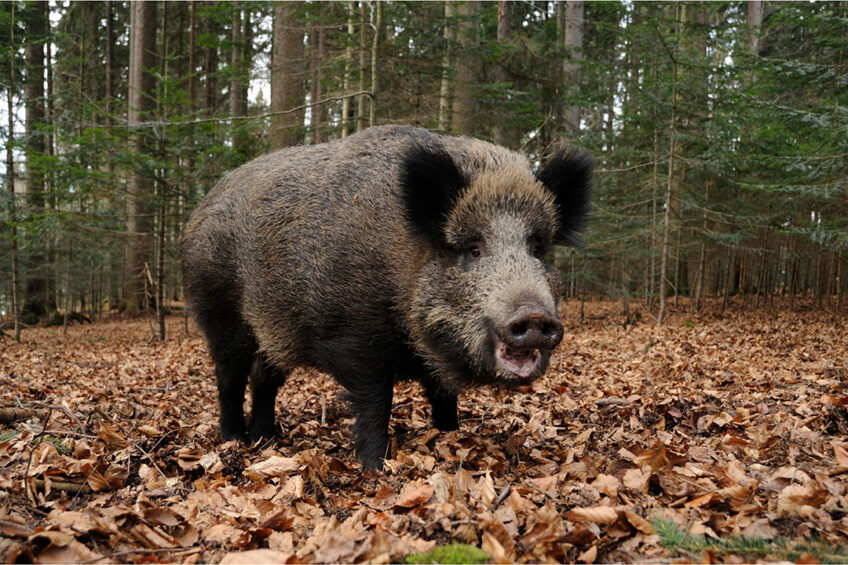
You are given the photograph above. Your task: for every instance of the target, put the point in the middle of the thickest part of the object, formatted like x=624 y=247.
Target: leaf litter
x=730 y=424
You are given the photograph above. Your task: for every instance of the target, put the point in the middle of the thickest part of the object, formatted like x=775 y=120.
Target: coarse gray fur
x=328 y=256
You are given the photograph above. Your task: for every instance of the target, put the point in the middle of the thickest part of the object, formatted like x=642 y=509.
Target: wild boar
x=391 y=254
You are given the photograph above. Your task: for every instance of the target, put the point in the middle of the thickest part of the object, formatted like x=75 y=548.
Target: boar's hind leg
x=443 y=403
x=372 y=407
x=233 y=348
x=265 y=379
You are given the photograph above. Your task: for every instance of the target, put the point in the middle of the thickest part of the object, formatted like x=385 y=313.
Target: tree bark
x=10 y=182
x=363 y=69
x=192 y=62
x=238 y=102
x=670 y=193
x=141 y=103
x=36 y=300
x=573 y=37
x=446 y=90
x=348 y=66
x=755 y=22
x=503 y=133
x=375 y=51
x=464 y=120
x=210 y=69
x=287 y=76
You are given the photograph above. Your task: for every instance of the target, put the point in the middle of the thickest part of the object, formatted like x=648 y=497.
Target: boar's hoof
x=263 y=430
x=233 y=435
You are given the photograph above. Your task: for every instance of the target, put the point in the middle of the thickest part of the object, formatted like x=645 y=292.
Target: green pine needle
x=675 y=539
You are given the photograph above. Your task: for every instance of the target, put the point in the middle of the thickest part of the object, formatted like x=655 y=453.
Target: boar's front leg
x=372 y=407
x=443 y=403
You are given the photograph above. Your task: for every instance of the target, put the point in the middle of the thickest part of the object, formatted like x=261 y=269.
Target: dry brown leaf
x=416 y=496
x=589 y=555
x=273 y=467
x=596 y=514
x=636 y=479
x=259 y=556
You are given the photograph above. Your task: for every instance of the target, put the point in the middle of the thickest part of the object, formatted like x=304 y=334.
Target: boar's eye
x=475 y=250
x=537 y=247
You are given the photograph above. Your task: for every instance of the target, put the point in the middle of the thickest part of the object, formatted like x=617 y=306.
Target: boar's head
x=485 y=303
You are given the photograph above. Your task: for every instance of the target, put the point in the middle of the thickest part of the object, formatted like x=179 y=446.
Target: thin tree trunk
x=238 y=106
x=287 y=75
x=35 y=300
x=375 y=50
x=727 y=278
x=755 y=20
x=10 y=181
x=464 y=119
x=140 y=189
x=348 y=66
x=670 y=189
x=192 y=63
x=210 y=69
x=574 y=15
x=502 y=132
x=446 y=90
x=110 y=78
x=363 y=69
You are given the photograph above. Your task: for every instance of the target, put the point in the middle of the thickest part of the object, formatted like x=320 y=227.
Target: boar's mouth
x=515 y=365
x=522 y=364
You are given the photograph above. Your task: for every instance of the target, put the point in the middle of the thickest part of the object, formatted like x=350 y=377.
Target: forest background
x=719 y=130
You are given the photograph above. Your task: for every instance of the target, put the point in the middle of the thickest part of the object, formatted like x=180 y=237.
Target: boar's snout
x=532 y=327
x=524 y=343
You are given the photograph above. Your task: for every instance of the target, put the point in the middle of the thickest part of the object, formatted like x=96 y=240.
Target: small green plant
x=57 y=442
x=689 y=324
x=8 y=435
x=453 y=553
x=675 y=539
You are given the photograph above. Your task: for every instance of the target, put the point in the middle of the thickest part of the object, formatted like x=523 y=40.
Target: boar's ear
x=430 y=183
x=569 y=176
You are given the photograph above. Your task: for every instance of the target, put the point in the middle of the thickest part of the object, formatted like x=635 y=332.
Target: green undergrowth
x=453 y=553
x=778 y=549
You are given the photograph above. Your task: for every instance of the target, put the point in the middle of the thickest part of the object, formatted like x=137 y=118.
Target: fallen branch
x=8 y=415
x=75 y=488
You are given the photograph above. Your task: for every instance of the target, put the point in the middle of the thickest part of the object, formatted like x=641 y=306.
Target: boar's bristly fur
x=391 y=254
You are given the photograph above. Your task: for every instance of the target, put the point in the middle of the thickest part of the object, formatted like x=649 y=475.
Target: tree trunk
x=10 y=182
x=192 y=62
x=446 y=90
x=755 y=22
x=670 y=193
x=110 y=74
x=36 y=300
x=464 y=120
x=348 y=66
x=210 y=69
x=574 y=15
x=140 y=105
x=503 y=133
x=238 y=103
x=375 y=50
x=287 y=76
x=363 y=69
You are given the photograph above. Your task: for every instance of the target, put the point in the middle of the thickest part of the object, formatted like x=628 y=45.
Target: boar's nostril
x=532 y=327
x=518 y=329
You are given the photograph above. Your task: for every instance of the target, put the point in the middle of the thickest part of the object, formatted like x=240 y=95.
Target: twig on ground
x=31 y=495
x=76 y=488
x=502 y=496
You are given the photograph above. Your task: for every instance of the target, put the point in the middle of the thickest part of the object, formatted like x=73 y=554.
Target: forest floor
x=723 y=424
